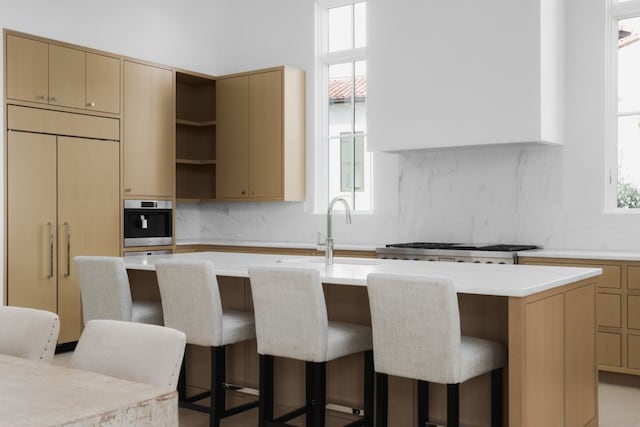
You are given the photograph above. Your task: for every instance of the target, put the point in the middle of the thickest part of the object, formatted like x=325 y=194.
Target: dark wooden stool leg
x=182 y=380
x=316 y=393
x=496 y=398
x=453 y=405
x=265 y=408
x=369 y=374
x=218 y=400
x=309 y=385
x=423 y=403
x=382 y=397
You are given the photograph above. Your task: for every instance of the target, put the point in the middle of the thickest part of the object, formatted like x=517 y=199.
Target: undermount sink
x=321 y=260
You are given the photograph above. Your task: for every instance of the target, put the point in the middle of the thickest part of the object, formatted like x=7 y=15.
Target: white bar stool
x=292 y=322
x=105 y=292
x=416 y=334
x=191 y=304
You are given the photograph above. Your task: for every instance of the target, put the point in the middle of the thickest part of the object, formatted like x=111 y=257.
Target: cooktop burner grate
x=463 y=246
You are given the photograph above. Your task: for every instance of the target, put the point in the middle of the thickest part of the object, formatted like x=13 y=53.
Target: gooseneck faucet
x=329 y=243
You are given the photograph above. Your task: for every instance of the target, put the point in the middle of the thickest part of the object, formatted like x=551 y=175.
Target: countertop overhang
x=482 y=279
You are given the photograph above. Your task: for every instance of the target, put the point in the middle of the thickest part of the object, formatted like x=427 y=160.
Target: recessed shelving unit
x=195 y=137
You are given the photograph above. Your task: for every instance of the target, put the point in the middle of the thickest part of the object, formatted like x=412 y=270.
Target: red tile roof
x=340 y=89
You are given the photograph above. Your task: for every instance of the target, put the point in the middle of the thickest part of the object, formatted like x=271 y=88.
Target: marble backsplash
x=486 y=195
x=508 y=195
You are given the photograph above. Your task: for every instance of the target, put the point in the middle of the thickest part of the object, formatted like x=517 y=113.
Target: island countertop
x=482 y=279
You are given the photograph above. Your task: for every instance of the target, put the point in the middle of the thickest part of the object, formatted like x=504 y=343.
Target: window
x=344 y=163
x=626 y=58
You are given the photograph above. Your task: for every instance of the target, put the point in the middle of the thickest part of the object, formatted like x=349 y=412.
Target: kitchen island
x=544 y=315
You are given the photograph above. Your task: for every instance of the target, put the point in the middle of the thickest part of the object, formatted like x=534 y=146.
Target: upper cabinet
x=148 y=131
x=451 y=74
x=260 y=135
x=57 y=75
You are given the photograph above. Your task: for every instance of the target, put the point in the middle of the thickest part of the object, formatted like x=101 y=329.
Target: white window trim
x=321 y=90
x=615 y=12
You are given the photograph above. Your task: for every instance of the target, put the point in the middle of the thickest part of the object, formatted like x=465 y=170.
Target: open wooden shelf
x=195 y=162
x=207 y=123
x=195 y=137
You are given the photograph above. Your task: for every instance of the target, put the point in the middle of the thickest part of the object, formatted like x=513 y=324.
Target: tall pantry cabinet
x=62 y=201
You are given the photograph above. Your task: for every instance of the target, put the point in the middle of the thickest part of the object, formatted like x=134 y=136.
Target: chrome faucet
x=329 y=242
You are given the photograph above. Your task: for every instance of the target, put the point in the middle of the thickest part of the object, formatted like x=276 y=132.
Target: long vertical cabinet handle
x=68 y=273
x=50 y=250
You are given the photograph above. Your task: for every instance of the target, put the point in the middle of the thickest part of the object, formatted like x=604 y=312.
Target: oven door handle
x=68 y=272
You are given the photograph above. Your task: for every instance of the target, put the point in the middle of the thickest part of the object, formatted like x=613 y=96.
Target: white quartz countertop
x=579 y=254
x=483 y=279
x=262 y=244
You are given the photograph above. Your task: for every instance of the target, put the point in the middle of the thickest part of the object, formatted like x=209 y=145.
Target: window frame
x=615 y=11
x=324 y=59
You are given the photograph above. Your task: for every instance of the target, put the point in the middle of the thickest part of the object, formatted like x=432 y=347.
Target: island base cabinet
x=63 y=200
x=552 y=367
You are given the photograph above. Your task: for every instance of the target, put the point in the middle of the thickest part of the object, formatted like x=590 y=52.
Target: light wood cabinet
x=62 y=201
x=148 y=131
x=195 y=137
x=260 y=141
x=617 y=307
x=102 y=83
x=62 y=76
x=31 y=221
x=609 y=349
x=634 y=351
x=609 y=310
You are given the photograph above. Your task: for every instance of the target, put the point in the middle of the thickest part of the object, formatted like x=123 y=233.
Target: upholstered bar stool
x=105 y=292
x=191 y=304
x=292 y=322
x=416 y=334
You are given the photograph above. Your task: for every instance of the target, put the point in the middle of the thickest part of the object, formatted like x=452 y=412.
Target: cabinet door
x=103 y=83
x=232 y=137
x=88 y=217
x=148 y=131
x=27 y=69
x=31 y=220
x=265 y=135
x=66 y=77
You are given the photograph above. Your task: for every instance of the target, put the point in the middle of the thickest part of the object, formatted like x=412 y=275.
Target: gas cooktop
x=463 y=246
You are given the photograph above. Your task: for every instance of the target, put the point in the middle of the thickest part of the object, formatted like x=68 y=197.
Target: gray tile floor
x=618 y=399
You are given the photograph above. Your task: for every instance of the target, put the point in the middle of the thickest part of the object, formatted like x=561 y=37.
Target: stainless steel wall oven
x=148 y=223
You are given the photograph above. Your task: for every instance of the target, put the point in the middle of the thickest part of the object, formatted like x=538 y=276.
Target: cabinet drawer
x=611 y=277
x=633 y=311
x=633 y=351
x=608 y=309
x=633 y=277
x=609 y=349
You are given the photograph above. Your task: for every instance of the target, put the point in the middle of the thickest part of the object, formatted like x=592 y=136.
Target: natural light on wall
x=346 y=164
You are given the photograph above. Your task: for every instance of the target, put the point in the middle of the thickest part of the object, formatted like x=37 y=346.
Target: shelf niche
x=195 y=137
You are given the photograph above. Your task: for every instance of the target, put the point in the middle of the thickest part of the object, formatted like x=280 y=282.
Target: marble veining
x=484 y=195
